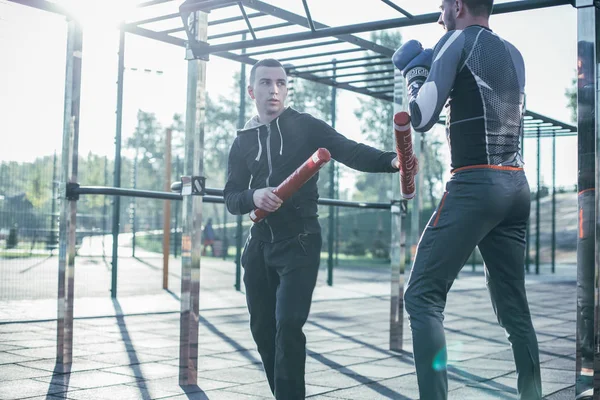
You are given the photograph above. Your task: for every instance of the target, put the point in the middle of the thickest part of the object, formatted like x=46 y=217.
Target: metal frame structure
x=333 y=52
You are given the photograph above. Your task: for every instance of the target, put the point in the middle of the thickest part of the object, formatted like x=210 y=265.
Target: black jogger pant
x=482 y=207
x=280 y=278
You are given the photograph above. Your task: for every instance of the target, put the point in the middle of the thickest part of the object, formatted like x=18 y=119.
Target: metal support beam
x=308 y=17
x=537 y=206
x=192 y=214
x=330 y=218
x=292 y=48
x=345 y=32
x=325 y=54
x=248 y=24
x=397 y=8
x=553 y=254
x=340 y=61
x=397 y=243
x=67 y=222
x=239 y=230
x=386 y=62
x=257 y=29
x=116 y=223
x=588 y=258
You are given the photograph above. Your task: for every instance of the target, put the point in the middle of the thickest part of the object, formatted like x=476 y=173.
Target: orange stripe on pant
x=437 y=217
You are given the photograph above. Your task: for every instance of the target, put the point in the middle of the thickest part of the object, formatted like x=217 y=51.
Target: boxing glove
x=413 y=61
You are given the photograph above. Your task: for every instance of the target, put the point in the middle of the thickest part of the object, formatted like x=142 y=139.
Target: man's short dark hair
x=265 y=62
x=480 y=8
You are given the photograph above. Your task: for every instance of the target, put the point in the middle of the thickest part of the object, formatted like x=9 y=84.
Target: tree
x=375 y=116
x=571 y=95
x=376 y=123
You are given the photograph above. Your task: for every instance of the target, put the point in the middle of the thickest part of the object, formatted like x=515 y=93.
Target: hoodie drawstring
x=259 y=145
x=280 y=136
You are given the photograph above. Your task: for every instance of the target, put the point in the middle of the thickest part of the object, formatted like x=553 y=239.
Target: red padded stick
x=295 y=181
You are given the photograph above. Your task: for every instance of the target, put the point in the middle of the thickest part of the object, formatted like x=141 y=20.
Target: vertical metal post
x=192 y=210
x=588 y=261
x=537 y=207
x=176 y=243
x=132 y=201
x=104 y=207
x=398 y=239
x=116 y=224
x=553 y=254
x=167 y=210
x=67 y=223
x=330 y=235
x=239 y=230
x=337 y=217
x=52 y=234
x=528 y=232
x=225 y=241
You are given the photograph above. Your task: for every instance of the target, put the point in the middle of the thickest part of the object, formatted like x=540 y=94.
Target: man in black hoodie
x=282 y=254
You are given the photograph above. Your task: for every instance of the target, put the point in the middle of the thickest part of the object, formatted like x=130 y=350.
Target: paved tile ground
x=128 y=349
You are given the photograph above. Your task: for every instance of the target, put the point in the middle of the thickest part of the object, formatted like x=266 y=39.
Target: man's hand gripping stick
x=295 y=181
x=409 y=166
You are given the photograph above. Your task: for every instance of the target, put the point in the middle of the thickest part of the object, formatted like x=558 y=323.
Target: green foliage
x=376 y=124
x=571 y=95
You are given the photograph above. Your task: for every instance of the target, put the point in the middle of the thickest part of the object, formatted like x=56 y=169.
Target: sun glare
x=95 y=14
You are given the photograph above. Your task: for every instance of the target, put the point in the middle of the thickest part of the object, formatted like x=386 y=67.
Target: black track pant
x=280 y=278
x=482 y=207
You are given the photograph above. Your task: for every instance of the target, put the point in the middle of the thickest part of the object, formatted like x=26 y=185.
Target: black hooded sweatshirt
x=264 y=155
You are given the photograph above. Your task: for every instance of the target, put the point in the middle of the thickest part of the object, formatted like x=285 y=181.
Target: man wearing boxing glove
x=481 y=79
x=282 y=254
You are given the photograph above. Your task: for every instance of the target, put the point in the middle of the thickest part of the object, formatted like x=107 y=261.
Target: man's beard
x=451 y=25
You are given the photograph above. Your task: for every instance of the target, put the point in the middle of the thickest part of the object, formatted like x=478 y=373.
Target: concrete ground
x=128 y=348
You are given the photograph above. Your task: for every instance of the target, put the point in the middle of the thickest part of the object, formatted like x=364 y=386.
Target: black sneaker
x=584 y=387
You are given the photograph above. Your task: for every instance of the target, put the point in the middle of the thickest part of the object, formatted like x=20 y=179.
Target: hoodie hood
x=253 y=123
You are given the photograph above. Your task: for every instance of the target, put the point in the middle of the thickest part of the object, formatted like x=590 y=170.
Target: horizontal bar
x=257 y=29
x=113 y=191
x=386 y=85
x=304 y=46
x=366 y=26
x=152 y=3
x=136 y=30
x=383 y=71
x=205 y=5
x=380 y=91
x=553 y=121
x=339 y=61
x=349 y=66
x=330 y=53
x=155 y=19
x=234 y=19
x=354 y=204
x=214 y=195
x=172 y=30
x=381 y=78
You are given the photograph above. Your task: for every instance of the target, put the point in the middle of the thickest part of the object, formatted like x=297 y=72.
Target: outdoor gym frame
x=373 y=75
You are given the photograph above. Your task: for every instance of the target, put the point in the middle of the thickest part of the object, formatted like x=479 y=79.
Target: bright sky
x=32 y=44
